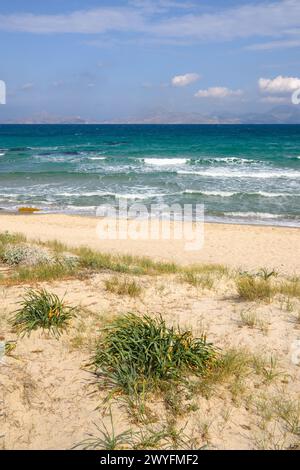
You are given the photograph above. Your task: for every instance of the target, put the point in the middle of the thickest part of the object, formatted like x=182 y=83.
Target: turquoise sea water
x=245 y=174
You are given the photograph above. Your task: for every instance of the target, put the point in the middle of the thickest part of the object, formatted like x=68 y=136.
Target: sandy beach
x=252 y=403
x=240 y=246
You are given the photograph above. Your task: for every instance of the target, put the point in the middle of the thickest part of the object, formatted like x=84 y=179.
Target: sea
x=241 y=173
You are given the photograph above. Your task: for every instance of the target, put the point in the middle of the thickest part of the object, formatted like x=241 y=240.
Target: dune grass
x=253 y=289
x=96 y=261
x=42 y=309
x=205 y=281
x=123 y=286
x=140 y=353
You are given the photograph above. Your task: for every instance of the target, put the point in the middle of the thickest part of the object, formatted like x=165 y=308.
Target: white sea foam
x=96 y=158
x=165 y=161
x=227 y=160
x=138 y=196
x=2 y=154
x=254 y=215
x=210 y=193
x=265 y=194
x=223 y=173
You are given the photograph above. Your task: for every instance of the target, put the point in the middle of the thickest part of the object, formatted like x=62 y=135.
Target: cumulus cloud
x=218 y=92
x=184 y=80
x=279 y=84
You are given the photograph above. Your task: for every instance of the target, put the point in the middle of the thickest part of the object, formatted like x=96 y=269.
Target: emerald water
x=247 y=174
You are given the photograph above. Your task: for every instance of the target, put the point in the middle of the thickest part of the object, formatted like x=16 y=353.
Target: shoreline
x=246 y=247
x=208 y=221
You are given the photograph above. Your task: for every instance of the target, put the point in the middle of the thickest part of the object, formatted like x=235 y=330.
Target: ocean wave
x=138 y=196
x=85 y=194
x=255 y=215
x=165 y=161
x=226 y=160
x=210 y=193
x=96 y=158
x=220 y=173
x=265 y=194
x=239 y=193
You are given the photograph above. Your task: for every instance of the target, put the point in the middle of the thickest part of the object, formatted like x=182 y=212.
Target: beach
x=203 y=315
x=246 y=247
x=251 y=401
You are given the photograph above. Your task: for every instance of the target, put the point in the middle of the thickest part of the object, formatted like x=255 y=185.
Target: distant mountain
x=45 y=118
x=277 y=115
x=162 y=116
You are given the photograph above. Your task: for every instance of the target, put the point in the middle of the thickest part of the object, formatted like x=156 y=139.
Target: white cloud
x=99 y=20
x=265 y=46
x=184 y=80
x=268 y=18
x=218 y=92
x=279 y=84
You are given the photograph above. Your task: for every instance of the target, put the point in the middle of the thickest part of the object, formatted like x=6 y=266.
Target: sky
x=105 y=60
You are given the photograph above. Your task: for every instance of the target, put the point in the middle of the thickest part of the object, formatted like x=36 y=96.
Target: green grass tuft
x=140 y=353
x=42 y=309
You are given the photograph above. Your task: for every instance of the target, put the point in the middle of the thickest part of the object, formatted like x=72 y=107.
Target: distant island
x=277 y=115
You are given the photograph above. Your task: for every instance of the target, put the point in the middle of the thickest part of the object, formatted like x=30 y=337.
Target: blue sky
x=114 y=59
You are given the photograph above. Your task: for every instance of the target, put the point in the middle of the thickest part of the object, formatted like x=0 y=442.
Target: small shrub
x=123 y=286
x=140 y=353
x=27 y=255
x=42 y=309
x=251 y=289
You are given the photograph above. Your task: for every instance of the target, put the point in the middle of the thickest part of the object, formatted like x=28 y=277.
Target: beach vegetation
x=290 y=287
x=123 y=286
x=266 y=274
x=10 y=238
x=137 y=354
x=205 y=281
x=107 y=438
x=289 y=411
x=254 y=289
x=249 y=319
x=25 y=254
x=40 y=273
x=42 y=309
